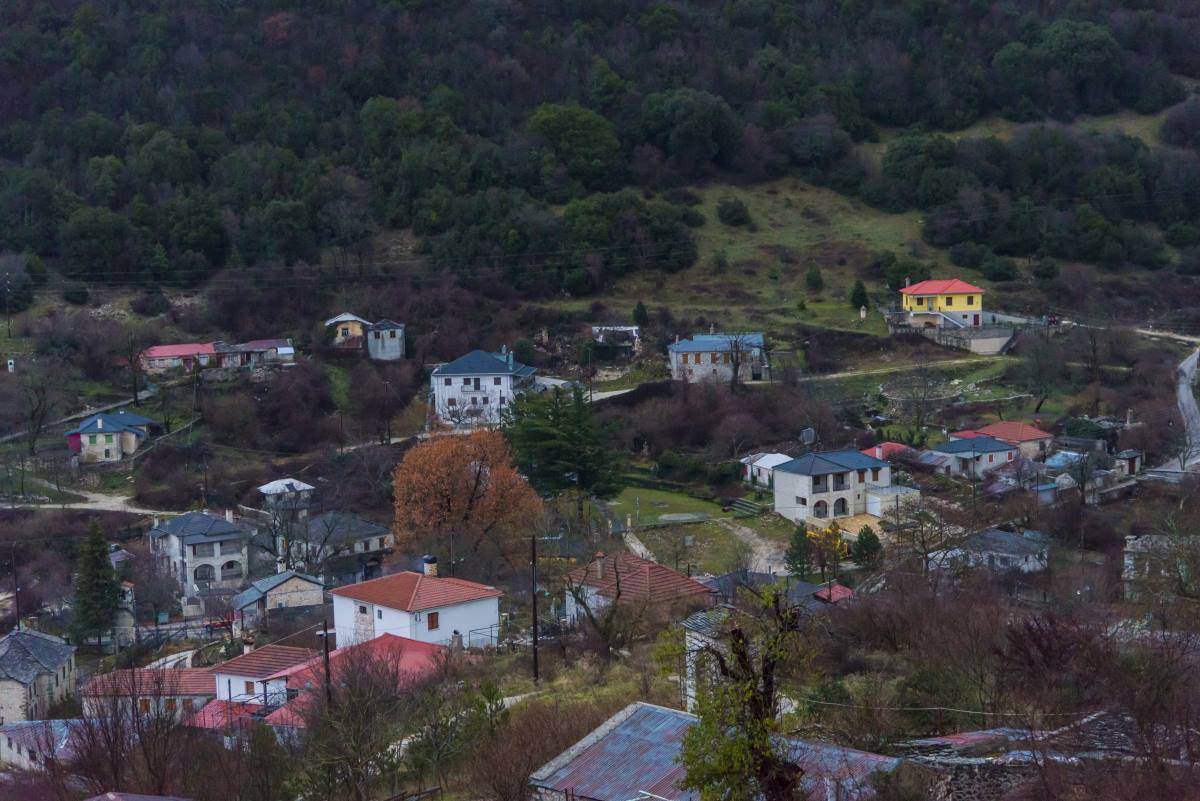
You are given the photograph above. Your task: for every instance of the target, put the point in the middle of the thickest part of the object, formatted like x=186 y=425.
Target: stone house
x=37 y=671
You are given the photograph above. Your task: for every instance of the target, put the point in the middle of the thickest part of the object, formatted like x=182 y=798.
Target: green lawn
x=708 y=547
x=648 y=505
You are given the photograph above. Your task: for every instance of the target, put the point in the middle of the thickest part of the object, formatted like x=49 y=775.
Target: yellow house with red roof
x=943 y=303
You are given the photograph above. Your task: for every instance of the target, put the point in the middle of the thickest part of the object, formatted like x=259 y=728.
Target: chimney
x=1128 y=417
x=599 y=564
x=228 y=515
x=99 y=422
x=878 y=451
x=247 y=645
x=430 y=565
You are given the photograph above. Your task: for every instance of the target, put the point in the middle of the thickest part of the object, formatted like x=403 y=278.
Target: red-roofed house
x=886 y=450
x=625 y=578
x=943 y=303
x=832 y=593
x=419 y=606
x=161 y=358
x=180 y=690
x=226 y=715
x=1031 y=441
x=413 y=662
x=244 y=678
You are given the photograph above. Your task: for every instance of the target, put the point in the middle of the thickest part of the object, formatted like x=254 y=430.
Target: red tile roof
x=833 y=593
x=640 y=580
x=885 y=450
x=941 y=286
x=1011 y=431
x=153 y=681
x=965 y=434
x=218 y=714
x=178 y=351
x=266 y=661
x=413 y=592
x=413 y=662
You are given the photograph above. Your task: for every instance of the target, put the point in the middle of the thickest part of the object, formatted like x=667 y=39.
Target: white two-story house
x=831 y=484
x=474 y=389
x=419 y=606
x=203 y=550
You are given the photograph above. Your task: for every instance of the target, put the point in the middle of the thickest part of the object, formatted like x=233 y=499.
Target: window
x=362 y=610
x=1010 y=456
x=107 y=453
x=862 y=476
x=249 y=688
x=108 y=439
x=447 y=382
x=485 y=401
x=170 y=704
x=451 y=402
x=474 y=401
x=378 y=335
x=144 y=704
x=715 y=357
x=801 y=501
x=231 y=570
x=91 y=439
x=949 y=300
x=203 y=550
x=205 y=573
x=496 y=381
x=379 y=614
x=874 y=473
x=970 y=299
x=466 y=382
x=391 y=334
x=382 y=542
x=188 y=704
x=725 y=358
x=432 y=619
x=991 y=458
x=231 y=547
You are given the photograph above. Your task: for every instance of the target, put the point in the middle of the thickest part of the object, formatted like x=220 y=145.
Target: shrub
x=998 y=268
x=967 y=254
x=813 y=279
x=150 y=303
x=732 y=211
x=75 y=293
x=1183 y=235
x=858 y=296
x=691 y=218
x=1045 y=269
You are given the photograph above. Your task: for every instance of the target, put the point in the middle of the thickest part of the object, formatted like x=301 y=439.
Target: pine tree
x=641 y=317
x=560 y=448
x=798 y=558
x=814 y=280
x=96 y=589
x=858 y=296
x=867 y=548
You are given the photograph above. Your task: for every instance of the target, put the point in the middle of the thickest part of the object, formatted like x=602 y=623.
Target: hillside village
x=524 y=553
x=763 y=400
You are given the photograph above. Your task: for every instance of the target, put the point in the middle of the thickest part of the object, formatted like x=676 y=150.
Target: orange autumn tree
x=460 y=497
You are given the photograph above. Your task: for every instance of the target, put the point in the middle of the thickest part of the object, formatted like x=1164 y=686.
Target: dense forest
x=545 y=146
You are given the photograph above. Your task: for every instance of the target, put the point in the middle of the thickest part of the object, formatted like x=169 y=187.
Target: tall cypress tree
x=96 y=589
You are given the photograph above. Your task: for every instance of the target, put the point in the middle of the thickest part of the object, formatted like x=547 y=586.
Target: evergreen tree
x=813 y=279
x=798 y=558
x=560 y=448
x=858 y=296
x=96 y=589
x=867 y=548
x=641 y=317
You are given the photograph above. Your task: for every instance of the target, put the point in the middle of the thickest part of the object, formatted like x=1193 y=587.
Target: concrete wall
x=471 y=405
x=796 y=499
x=353 y=625
x=386 y=345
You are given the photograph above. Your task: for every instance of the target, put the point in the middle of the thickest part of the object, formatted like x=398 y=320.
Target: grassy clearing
x=640 y=373
x=648 y=505
x=707 y=547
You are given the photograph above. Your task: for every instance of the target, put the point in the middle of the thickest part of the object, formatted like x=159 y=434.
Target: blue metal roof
x=820 y=464
x=480 y=362
x=106 y=423
x=973 y=445
x=718 y=343
x=636 y=752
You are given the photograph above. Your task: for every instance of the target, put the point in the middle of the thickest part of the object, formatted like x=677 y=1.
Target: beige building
x=286 y=590
x=108 y=437
x=37 y=671
x=177 y=691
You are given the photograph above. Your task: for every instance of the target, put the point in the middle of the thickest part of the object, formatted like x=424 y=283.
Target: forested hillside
x=162 y=141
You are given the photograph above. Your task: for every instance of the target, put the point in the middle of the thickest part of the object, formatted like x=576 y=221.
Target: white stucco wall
x=353 y=625
x=489 y=399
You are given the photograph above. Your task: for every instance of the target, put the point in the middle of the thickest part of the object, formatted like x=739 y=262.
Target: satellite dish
x=808 y=436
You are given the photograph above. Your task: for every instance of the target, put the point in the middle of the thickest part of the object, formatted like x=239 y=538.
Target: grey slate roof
x=200 y=527
x=386 y=325
x=36 y=735
x=820 y=464
x=973 y=445
x=340 y=528
x=709 y=622
x=480 y=362
x=259 y=589
x=996 y=540
x=25 y=654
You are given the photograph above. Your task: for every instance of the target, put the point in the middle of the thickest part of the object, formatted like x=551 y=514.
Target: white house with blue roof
x=109 y=436
x=714 y=357
x=828 y=485
x=474 y=389
x=977 y=456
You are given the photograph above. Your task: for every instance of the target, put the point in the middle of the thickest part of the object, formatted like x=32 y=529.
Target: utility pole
x=325 y=647
x=7 y=292
x=12 y=552
x=133 y=370
x=533 y=597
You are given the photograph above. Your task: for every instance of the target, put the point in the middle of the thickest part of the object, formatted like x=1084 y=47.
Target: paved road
x=96 y=501
x=1190 y=412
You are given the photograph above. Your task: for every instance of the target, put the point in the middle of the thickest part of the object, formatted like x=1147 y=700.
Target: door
x=976 y=320
x=476 y=384
x=874 y=506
